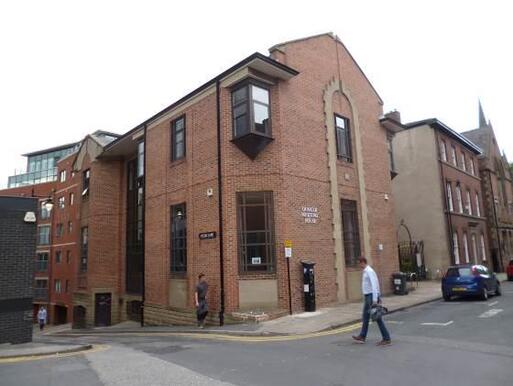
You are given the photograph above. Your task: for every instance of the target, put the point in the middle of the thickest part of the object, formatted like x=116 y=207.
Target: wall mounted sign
x=207 y=235
x=310 y=214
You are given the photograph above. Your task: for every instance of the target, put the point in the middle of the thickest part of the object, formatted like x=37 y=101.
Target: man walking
x=41 y=317
x=200 y=296
x=371 y=294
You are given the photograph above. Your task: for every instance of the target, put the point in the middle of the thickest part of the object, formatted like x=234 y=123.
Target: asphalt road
x=463 y=342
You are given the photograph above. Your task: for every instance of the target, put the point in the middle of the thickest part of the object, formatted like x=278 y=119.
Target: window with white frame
x=449 y=197
x=463 y=162
x=443 y=151
x=474 y=247
x=458 y=198
x=71 y=198
x=478 y=209
x=61 y=202
x=483 y=248
x=62 y=176
x=58 y=288
x=468 y=204
x=465 y=248
x=453 y=156
x=472 y=167
x=455 y=248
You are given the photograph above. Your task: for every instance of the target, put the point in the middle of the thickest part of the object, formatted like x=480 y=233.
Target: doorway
x=102 y=309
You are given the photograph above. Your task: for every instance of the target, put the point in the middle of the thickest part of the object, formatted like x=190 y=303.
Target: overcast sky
x=68 y=69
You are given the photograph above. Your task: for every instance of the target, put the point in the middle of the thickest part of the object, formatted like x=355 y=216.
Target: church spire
x=482 y=118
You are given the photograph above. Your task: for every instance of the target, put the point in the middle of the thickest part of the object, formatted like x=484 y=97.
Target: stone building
x=497 y=186
x=438 y=189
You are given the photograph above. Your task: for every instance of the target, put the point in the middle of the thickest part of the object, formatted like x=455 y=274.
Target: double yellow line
x=26 y=358
x=235 y=338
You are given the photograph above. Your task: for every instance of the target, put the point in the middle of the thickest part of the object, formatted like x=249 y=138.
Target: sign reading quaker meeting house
x=310 y=214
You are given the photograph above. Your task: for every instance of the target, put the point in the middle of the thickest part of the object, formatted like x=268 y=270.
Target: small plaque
x=30 y=217
x=256 y=260
x=288 y=252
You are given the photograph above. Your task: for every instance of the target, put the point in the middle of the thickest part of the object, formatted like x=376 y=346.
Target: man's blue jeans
x=366 y=317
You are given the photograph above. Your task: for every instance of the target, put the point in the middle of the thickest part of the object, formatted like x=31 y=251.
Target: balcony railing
x=41 y=294
x=41 y=266
x=32 y=178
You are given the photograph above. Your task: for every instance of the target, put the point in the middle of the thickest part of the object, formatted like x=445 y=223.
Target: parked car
x=470 y=280
x=509 y=270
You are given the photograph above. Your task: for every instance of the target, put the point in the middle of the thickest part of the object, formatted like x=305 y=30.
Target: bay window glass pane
x=240 y=95
x=260 y=94
x=261 y=116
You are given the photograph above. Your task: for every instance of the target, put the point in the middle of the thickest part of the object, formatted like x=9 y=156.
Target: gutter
x=220 y=203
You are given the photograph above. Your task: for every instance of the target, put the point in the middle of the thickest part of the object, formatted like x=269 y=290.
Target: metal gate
x=411 y=258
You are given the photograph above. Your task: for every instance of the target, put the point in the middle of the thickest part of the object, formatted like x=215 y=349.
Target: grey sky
x=70 y=68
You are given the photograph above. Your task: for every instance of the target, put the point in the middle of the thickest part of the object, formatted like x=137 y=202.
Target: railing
x=32 y=178
x=41 y=294
x=41 y=265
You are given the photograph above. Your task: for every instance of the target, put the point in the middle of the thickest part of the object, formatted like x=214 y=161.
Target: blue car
x=470 y=280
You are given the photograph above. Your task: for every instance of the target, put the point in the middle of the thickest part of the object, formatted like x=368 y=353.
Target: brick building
x=439 y=190
x=291 y=146
x=497 y=186
x=17 y=250
x=51 y=175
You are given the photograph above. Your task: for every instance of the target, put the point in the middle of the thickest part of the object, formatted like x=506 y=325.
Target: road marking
x=490 y=313
x=394 y=322
x=96 y=348
x=233 y=338
x=438 y=324
x=492 y=303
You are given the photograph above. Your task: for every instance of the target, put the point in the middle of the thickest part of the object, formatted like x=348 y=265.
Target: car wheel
x=447 y=297
x=498 y=291
x=484 y=294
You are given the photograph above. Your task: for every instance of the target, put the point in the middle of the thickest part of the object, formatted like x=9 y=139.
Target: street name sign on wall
x=207 y=235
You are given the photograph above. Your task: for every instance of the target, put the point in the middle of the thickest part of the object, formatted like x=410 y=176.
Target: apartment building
x=438 y=189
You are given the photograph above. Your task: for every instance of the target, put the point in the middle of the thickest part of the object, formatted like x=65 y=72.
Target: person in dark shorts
x=200 y=296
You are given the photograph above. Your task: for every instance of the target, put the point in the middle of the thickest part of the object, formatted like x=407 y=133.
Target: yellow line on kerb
x=238 y=338
x=26 y=358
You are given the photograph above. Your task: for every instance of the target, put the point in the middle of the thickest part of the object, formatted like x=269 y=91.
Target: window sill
x=178 y=275
x=177 y=162
x=257 y=275
x=345 y=161
x=451 y=165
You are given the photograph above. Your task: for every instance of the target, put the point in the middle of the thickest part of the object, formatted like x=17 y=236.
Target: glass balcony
x=33 y=178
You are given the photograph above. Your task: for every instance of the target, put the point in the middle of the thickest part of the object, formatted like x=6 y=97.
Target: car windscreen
x=457 y=272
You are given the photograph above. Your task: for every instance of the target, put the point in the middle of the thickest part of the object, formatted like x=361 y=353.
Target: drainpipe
x=496 y=222
x=220 y=204
x=144 y=227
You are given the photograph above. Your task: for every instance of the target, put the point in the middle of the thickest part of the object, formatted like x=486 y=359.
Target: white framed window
x=478 y=209
x=458 y=198
x=449 y=197
x=483 y=248
x=474 y=247
x=61 y=202
x=62 y=176
x=58 y=288
x=463 y=162
x=465 y=248
x=453 y=156
x=443 y=151
x=468 y=204
x=71 y=198
x=455 y=248
x=472 y=167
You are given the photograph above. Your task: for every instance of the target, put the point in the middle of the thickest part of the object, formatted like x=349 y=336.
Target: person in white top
x=371 y=294
x=41 y=317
